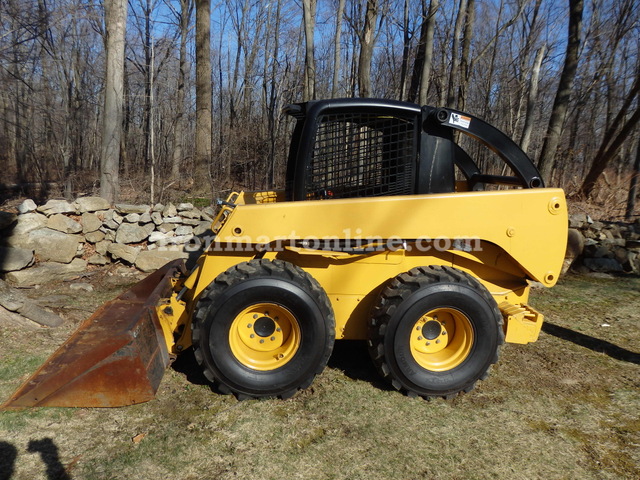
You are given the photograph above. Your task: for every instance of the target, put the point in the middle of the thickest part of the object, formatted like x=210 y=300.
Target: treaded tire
x=225 y=338
x=409 y=307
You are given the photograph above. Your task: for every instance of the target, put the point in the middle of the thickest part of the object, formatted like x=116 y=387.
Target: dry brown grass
x=564 y=407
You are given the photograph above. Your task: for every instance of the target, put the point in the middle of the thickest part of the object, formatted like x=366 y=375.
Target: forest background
x=195 y=109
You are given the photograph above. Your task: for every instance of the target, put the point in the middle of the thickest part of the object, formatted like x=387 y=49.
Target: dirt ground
x=564 y=407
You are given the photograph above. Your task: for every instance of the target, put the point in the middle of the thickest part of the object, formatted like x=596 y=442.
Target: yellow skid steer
x=388 y=230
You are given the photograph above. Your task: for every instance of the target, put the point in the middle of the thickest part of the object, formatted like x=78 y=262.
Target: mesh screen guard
x=362 y=155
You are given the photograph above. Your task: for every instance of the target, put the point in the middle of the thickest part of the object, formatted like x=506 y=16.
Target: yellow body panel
x=503 y=238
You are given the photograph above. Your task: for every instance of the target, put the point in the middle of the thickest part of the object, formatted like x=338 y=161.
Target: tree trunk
x=565 y=87
x=532 y=98
x=115 y=24
x=309 y=14
x=455 y=58
x=336 y=50
x=465 y=60
x=186 y=7
x=633 y=186
x=367 y=41
x=422 y=67
x=203 y=90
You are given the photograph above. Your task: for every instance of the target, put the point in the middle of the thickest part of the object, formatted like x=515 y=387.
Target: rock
x=13 y=300
x=184 y=206
x=63 y=223
x=90 y=222
x=156 y=217
x=194 y=214
x=131 y=233
x=6 y=219
x=28 y=222
x=110 y=235
x=87 y=287
x=167 y=227
x=575 y=246
x=190 y=221
x=173 y=219
x=132 y=218
x=102 y=247
x=158 y=207
x=51 y=245
x=202 y=228
x=169 y=210
x=577 y=220
x=95 y=237
x=97 y=259
x=149 y=261
x=205 y=216
x=47 y=272
x=91 y=204
x=158 y=236
x=184 y=230
x=597 y=226
x=56 y=206
x=602 y=265
x=145 y=218
x=27 y=206
x=12 y=259
x=179 y=239
x=124 y=252
x=125 y=208
x=209 y=212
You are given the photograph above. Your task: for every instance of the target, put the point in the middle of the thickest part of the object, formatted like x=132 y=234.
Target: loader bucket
x=116 y=357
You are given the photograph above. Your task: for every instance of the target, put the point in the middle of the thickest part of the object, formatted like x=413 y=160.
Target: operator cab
x=357 y=147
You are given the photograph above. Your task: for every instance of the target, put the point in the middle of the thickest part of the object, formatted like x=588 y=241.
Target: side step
x=522 y=323
x=116 y=357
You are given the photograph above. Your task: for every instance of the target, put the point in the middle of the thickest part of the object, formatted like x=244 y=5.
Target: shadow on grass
x=349 y=356
x=48 y=451
x=187 y=365
x=8 y=455
x=592 y=343
x=352 y=358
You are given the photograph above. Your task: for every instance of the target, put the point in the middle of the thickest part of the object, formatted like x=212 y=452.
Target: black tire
x=263 y=329
x=416 y=351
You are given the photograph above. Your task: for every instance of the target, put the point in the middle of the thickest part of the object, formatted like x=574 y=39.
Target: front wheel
x=435 y=331
x=263 y=329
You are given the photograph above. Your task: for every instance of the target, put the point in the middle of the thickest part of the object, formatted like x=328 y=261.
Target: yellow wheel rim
x=264 y=336
x=441 y=339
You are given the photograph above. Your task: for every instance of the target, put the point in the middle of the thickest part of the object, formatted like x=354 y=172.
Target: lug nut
x=261 y=340
x=420 y=338
x=255 y=316
x=273 y=339
x=252 y=336
x=250 y=325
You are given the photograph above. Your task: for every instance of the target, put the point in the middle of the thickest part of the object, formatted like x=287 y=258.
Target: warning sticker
x=459 y=120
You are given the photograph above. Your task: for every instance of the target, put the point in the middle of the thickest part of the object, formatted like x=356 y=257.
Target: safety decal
x=459 y=120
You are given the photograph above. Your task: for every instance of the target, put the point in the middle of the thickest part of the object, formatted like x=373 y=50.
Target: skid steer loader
x=387 y=231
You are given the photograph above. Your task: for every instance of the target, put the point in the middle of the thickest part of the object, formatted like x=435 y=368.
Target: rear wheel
x=435 y=331
x=263 y=329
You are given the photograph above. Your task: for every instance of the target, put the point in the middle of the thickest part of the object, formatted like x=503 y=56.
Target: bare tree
x=336 y=49
x=424 y=56
x=203 y=130
x=115 y=27
x=565 y=88
x=309 y=14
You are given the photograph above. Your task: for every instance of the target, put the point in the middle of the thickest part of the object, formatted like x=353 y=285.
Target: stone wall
x=609 y=247
x=60 y=239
